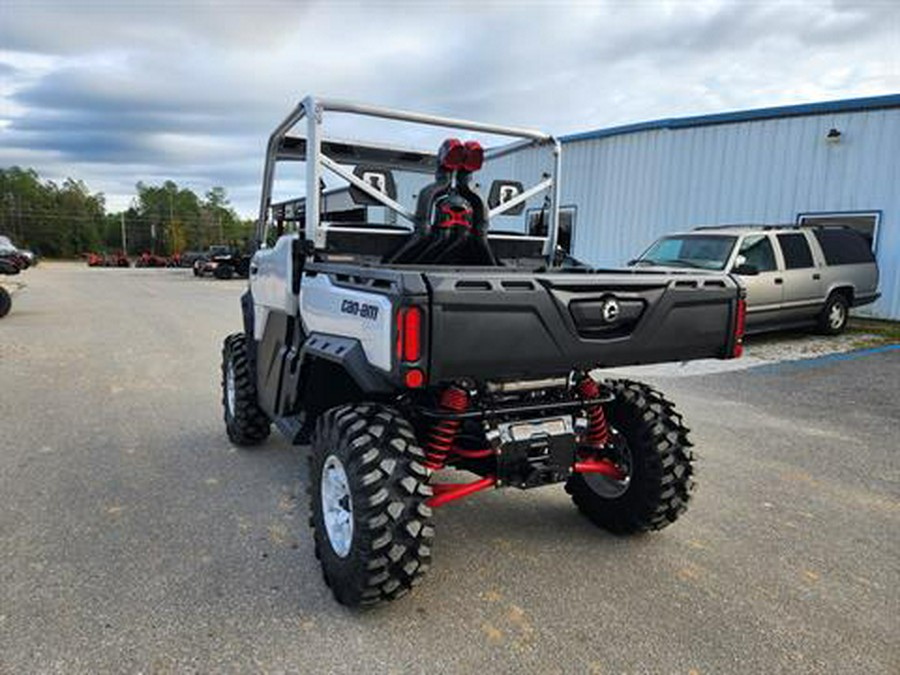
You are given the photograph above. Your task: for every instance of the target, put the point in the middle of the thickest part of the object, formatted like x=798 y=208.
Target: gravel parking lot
x=133 y=537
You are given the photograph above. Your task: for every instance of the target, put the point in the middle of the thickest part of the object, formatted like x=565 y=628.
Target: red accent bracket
x=456 y=218
x=602 y=466
x=449 y=492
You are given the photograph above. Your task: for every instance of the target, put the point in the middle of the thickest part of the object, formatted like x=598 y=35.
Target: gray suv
x=795 y=276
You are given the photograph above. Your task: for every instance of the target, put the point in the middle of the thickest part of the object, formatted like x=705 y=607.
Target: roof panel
x=823 y=108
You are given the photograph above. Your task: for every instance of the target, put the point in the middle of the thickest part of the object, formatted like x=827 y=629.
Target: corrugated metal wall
x=631 y=188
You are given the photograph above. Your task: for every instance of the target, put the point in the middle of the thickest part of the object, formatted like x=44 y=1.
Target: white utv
x=402 y=351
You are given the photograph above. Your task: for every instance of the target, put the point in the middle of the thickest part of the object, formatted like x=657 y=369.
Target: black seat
x=451 y=217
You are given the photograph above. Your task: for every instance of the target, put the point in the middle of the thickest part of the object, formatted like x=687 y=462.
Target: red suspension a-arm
x=448 y=492
x=600 y=466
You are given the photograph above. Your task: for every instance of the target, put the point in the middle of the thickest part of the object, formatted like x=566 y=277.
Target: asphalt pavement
x=134 y=538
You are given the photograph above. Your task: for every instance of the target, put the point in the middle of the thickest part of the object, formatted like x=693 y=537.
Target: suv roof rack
x=767 y=228
x=748 y=226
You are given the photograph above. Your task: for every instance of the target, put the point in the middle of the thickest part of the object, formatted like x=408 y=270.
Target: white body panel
x=270 y=276
x=270 y=281
x=347 y=312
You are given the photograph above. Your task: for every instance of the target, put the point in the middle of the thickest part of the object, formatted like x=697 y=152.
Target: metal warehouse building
x=817 y=163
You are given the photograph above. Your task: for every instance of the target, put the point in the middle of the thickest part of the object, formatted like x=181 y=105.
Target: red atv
x=148 y=259
x=118 y=259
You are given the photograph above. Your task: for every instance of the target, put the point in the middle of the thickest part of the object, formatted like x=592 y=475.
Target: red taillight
x=414 y=378
x=409 y=344
x=412 y=334
x=409 y=334
x=740 y=323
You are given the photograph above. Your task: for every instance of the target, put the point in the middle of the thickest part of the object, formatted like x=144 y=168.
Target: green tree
x=67 y=220
x=51 y=219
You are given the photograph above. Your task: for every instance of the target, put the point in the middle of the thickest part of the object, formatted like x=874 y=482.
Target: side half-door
x=275 y=325
x=803 y=289
x=764 y=283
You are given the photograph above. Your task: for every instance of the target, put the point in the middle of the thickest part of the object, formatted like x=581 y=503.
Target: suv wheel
x=654 y=450
x=835 y=314
x=368 y=487
x=245 y=422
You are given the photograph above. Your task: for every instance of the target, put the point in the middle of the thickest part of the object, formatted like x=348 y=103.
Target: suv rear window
x=843 y=247
x=796 y=251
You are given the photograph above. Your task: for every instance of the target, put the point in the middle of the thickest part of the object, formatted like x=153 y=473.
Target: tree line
x=66 y=220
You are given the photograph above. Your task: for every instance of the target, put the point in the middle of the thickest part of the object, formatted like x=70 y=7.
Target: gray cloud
x=119 y=92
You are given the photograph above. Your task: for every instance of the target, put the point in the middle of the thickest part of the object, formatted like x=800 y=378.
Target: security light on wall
x=833 y=135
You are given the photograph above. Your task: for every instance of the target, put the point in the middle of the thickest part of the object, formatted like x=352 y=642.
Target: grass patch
x=873 y=332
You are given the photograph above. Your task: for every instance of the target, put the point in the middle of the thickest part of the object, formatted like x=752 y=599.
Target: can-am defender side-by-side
x=401 y=352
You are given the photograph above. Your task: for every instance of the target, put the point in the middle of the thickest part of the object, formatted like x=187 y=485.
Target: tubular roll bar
x=312 y=149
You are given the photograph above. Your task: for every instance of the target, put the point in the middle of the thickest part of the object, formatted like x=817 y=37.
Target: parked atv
x=147 y=259
x=188 y=258
x=118 y=259
x=402 y=352
x=223 y=262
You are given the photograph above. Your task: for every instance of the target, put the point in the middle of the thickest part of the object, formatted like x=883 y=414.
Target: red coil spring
x=443 y=434
x=598 y=429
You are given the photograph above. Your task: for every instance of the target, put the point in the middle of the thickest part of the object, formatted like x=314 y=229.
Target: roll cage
x=321 y=153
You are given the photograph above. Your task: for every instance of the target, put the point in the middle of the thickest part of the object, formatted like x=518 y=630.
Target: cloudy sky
x=116 y=92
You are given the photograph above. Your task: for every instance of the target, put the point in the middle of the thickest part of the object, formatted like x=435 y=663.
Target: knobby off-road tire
x=5 y=302
x=661 y=478
x=386 y=487
x=245 y=422
x=835 y=314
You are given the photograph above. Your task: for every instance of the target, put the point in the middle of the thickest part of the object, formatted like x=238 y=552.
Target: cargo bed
x=501 y=324
x=515 y=324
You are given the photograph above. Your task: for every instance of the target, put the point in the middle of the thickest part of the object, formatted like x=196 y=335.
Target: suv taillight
x=409 y=346
x=740 y=323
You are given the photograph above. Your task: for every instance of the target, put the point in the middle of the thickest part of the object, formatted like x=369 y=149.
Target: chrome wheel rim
x=605 y=486
x=230 y=389
x=337 y=506
x=837 y=315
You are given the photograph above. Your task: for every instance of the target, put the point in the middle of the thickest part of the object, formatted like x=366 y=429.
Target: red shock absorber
x=443 y=434
x=598 y=429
